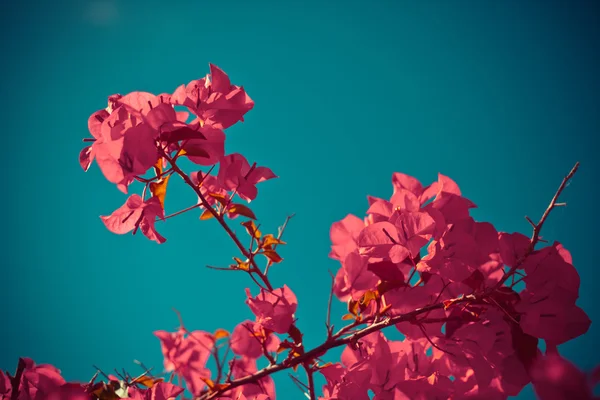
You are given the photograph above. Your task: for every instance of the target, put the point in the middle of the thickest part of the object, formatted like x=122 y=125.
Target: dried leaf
x=270 y=240
x=368 y=297
x=209 y=383
x=220 y=333
x=159 y=189
x=243 y=265
x=147 y=381
x=206 y=215
x=241 y=209
x=158 y=167
x=219 y=197
x=295 y=334
x=353 y=307
x=272 y=256
x=283 y=346
x=252 y=229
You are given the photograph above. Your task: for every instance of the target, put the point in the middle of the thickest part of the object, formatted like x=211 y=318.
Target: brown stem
x=535 y=236
x=16 y=380
x=279 y=236
x=180 y=212
x=219 y=218
x=311 y=382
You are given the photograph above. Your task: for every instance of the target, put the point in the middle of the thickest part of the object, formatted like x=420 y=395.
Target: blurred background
x=502 y=96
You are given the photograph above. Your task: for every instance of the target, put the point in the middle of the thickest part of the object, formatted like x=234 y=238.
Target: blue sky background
x=502 y=96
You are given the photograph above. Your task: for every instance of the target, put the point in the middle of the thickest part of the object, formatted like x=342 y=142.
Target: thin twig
x=311 y=382
x=279 y=236
x=218 y=217
x=329 y=303
x=535 y=236
x=16 y=380
x=181 y=212
x=431 y=341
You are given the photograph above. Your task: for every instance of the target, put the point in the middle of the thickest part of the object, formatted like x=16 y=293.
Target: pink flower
x=264 y=388
x=136 y=213
x=236 y=174
x=214 y=99
x=274 y=310
x=554 y=378
x=344 y=236
x=250 y=339
x=159 y=391
x=187 y=356
x=38 y=381
x=124 y=146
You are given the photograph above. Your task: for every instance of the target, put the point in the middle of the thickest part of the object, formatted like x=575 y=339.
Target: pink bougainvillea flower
x=512 y=247
x=87 y=154
x=159 y=391
x=68 y=391
x=550 y=318
x=235 y=173
x=448 y=200
x=550 y=272
x=344 y=236
x=136 y=213
x=358 y=278
x=207 y=150
x=547 y=305
x=274 y=310
x=214 y=99
x=402 y=182
x=461 y=250
x=250 y=340
x=187 y=356
x=263 y=388
x=208 y=184
x=374 y=354
x=123 y=145
x=5 y=385
x=346 y=383
x=39 y=380
x=240 y=396
x=554 y=378
x=401 y=236
x=380 y=240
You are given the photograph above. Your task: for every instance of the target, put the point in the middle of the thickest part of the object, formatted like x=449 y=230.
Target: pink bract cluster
x=186 y=353
x=484 y=342
x=44 y=382
x=141 y=132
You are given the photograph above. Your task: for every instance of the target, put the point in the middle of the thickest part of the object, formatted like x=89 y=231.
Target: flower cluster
x=472 y=303
x=483 y=341
x=142 y=132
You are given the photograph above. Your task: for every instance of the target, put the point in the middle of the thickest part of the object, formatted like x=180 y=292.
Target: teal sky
x=502 y=96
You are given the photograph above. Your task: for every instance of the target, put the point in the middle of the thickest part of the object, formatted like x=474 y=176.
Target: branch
x=337 y=340
x=535 y=236
x=180 y=212
x=328 y=321
x=279 y=236
x=311 y=382
x=16 y=380
x=218 y=217
x=344 y=336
